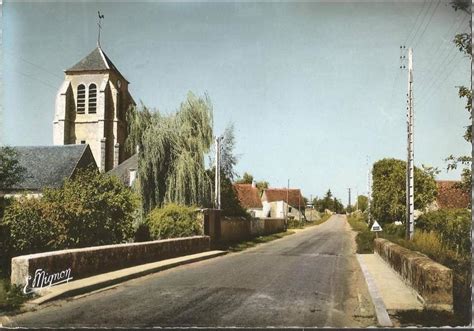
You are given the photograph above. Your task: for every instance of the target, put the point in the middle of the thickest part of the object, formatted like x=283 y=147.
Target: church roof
x=122 y=171
x=97 y=60
x=48 y=166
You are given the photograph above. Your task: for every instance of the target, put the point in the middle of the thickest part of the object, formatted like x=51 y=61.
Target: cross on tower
x=100 y=27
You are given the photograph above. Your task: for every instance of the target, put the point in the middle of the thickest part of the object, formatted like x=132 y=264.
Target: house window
x=92 y=98
x=83 y=142
x=81 y=99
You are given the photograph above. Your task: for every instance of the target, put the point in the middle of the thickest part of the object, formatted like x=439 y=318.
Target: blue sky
x=313 y=89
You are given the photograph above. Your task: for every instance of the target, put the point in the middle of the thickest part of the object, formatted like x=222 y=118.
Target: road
x=310 y=278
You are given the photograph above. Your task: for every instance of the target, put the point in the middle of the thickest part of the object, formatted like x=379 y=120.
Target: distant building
x=127 y=171
x=249 y=198
x=48 y=166
x=450 y=196
x=277 y=202
x=91 y=106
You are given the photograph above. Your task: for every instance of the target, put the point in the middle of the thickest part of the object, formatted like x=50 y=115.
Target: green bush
x=389 y=192
x=365 y=238
x=394 y=230
x=11 y=296
x=174 y=221
x=452 y=225
x=88 y=210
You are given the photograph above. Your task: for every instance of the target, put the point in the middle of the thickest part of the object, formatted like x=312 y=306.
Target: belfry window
x=92 y=99
x=81 y=99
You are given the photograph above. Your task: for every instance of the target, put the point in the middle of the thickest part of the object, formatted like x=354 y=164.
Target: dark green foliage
x=174 y=221
x=362 y=203
x=11 y=171
x=389 y=190
x=392 y=229
x=142 y=233
x=248 y=179
x=230 y=204
x=11 y=296
x=452 y=225
x=364 y=238
x=328 y=202
x=88 y=210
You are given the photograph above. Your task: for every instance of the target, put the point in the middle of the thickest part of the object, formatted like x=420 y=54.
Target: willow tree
x=171 y=154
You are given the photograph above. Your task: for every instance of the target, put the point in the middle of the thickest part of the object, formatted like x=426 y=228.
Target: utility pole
x=349 y=189
x=287 y=203
x=369 y=191
x=410 y=228
x=217 y=197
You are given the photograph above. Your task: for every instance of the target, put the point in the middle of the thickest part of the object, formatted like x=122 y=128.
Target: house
x=277 y=203
x=48 y=166
x=127 y=171
x=249 y=198
x=450 y=196
x=91 y=107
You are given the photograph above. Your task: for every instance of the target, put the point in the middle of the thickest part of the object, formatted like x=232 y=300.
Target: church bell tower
x=91 y=107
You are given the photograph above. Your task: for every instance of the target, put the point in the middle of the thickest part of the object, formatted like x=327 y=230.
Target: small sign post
x=376 y=228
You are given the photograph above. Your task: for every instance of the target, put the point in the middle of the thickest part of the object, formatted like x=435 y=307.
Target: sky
x=314 y=89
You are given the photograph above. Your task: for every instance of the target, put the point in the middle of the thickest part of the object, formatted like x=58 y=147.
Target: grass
x=427 y=318
x=11 y=297
x=430 y=244
x=242 y=245
x=300 y=225
x=365 y=238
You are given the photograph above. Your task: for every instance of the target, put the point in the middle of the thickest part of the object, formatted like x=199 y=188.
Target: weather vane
x=100 y=27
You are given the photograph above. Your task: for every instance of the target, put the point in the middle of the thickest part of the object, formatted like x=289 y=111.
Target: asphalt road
x=310 y=278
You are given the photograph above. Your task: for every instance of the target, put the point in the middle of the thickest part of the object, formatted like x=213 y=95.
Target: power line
x=421 y=24
x=34 y=65
x=426 y=26
x=415 y=23
x=35 y=78
x=451 y=53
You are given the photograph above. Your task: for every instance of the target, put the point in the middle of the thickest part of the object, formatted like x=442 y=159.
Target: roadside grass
x=11 y=297
x=242 y=245
x=427 y=318
x=431 y=244
x=365 y=238
x=293 y=224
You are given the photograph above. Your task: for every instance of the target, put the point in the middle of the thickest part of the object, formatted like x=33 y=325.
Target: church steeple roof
x=96 y=60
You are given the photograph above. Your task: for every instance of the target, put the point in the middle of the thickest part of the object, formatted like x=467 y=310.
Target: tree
x=328 y=202
x=389 y=189
x=362 y=203
x=11 y=171
x=172 y=149
x=464 y=43
x=248 y=179
x=90 y=209
x=228 y=158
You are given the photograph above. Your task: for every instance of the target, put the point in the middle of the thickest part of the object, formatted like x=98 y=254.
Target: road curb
x=85 y=285
x=380 y=309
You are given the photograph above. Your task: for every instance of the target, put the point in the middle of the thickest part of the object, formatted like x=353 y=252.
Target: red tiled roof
x=295 y=198
x=248 y=196
x=449 y=196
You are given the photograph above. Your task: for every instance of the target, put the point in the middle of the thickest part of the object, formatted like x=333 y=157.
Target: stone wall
x=238 y=229
x=431 y=280
x=90 y=261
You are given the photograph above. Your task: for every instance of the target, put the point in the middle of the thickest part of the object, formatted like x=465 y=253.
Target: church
x=91 y=107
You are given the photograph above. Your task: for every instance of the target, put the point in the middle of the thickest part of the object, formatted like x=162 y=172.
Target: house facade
x=249 y=199
x=279 y=203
